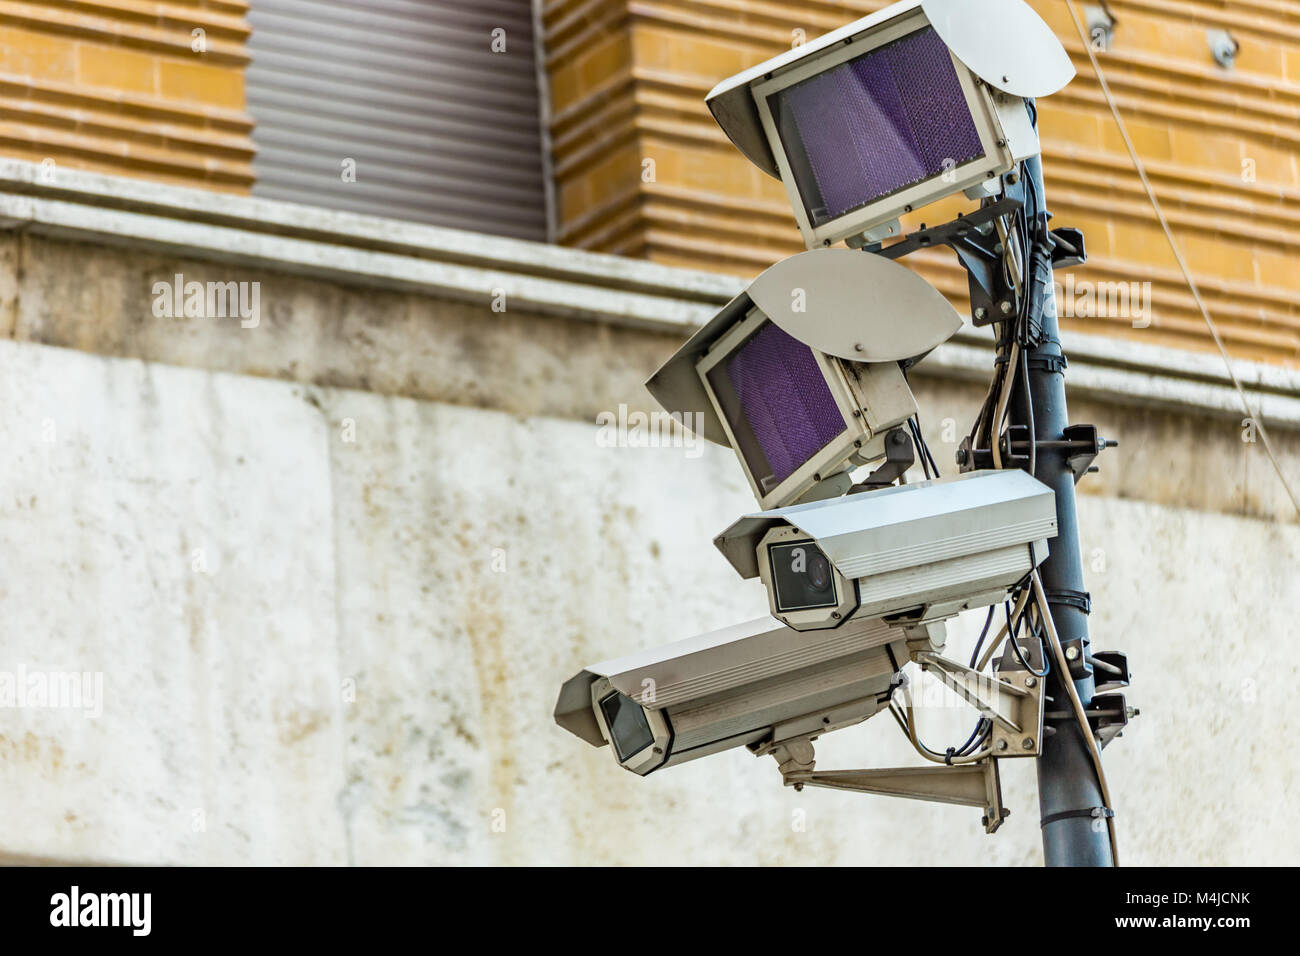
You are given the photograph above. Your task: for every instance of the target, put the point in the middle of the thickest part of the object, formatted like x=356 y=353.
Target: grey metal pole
x=1068 y=791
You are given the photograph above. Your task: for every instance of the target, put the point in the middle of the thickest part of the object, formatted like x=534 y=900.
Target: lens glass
x=875 y=125
x=781 y=411
x=628 y=728
x=802 y=576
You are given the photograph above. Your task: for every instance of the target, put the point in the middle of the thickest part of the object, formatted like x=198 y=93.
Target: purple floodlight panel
x=778 y=399
x=875 y=125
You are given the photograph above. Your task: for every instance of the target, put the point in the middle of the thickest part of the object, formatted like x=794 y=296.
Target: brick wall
x=641 y=168
x=128 y=87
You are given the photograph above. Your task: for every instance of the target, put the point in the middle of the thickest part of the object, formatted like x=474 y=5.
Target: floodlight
x=800 y=374
x=920 y=101
x=750 y=684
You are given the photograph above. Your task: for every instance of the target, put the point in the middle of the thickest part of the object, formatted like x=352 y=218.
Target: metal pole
x=1067 y=781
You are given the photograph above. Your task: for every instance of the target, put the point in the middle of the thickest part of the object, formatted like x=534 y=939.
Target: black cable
x=920 y=446
x=979 y=645
x=1013 y=635
x=923 y=446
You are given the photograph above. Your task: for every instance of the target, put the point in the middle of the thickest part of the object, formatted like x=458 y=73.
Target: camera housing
x=919 y=101
x=749 y=685
x=931 y=549
x=802 y=373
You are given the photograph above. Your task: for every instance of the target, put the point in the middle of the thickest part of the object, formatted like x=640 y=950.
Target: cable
x=1029 y=407
x=1008 y=380
x=997 y=641
x=1178 y=254
x=923 y=446
x=988 y=622
x=920 y=446
x=1072 y=692
x=949 y=758
x=1015 y=641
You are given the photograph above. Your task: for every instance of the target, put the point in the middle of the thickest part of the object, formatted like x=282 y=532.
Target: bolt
x=981 y=313
x=1029 y=681
x=859 y=347
x=961 y=456
x=1002 y=745
x=1006 y=307
x=1027 y=743
x=1071 y=653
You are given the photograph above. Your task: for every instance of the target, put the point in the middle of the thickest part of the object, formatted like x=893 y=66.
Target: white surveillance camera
x=933 y=549
x=919 y=101
x=752 y=684
x=800 y=374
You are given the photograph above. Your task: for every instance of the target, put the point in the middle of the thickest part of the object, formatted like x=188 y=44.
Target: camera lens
x=803 y=577
x=819 y=572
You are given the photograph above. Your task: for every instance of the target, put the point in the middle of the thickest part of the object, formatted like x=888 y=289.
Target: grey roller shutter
x=442 y=129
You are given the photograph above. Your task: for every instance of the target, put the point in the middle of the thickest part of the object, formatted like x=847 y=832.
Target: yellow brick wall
x=642 y=170
x=117 y=86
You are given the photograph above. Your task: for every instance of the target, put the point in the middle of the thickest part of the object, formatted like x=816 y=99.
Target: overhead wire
x=1257 y=419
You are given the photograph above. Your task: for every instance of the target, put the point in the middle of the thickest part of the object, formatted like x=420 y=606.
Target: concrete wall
x=322 y=650
x=333 y=570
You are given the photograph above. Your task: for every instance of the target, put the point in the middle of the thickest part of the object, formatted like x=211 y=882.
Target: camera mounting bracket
x=1012 y=700
x=965 y=785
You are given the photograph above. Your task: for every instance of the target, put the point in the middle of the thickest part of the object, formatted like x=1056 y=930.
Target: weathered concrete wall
x=331 y=626
x=327 y=574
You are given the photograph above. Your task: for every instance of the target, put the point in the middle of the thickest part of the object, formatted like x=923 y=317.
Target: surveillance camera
x=916 y=102
x=800 y=374
x=754 y=684
x=937 y=547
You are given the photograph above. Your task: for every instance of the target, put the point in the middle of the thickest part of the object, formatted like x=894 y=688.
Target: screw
x=1071 y=653
x=1006 y=307
x=1029 y=681
x=981 y=313
x=1002 y=745
x=1027 y=743
x=961 y=456
x=859 y=347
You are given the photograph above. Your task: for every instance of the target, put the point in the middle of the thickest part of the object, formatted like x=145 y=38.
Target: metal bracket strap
x=1079 y=599
x=1092 y=813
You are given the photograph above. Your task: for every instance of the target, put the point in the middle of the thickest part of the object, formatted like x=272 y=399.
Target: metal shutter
x=442 y=129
